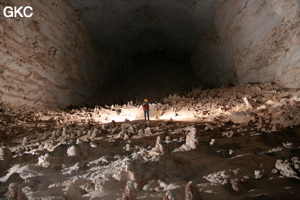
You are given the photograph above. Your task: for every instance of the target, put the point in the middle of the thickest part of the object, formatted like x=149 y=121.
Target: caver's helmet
x=145 y=100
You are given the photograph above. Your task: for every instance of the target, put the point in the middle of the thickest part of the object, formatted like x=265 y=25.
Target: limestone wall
x=251 y=41
x=51 y=60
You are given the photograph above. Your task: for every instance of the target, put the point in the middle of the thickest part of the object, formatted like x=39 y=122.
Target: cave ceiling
x=142 y=26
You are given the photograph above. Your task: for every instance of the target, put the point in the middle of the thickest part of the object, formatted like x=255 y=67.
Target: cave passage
x=74 y=52
x=153 y=76
x=239 y=142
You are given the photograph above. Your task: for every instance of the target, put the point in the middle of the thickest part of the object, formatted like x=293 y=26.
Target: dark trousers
x=146 y=114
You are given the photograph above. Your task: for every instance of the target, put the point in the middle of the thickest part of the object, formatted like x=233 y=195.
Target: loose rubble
x=196 y=145
x=288 y=168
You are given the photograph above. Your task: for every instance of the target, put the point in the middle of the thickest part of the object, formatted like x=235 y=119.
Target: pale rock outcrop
x=94 y=133
x=238 y=50
x=208 y=127
x=259 y=174
x=191 y=192
x=158 y=146
x=71 y=151
x=147 y=131
x=168 y=139
x=15 y=192
x=127 y=147
x=141 y=132
x=241 y=117
x=130 y=192
x=5 y=154
x=212 y=142
x=218 y=177
x=50 y=59
x=289 y=168
x=235 y=184
x=191 y=141
x=25 y=141
x=169 y=196
x=44 y=160
x=151 y=185
x=228 y=134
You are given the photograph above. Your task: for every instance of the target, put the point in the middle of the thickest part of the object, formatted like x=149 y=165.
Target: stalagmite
x=168 y=139
x=127 y=147
x=148 y=131
x=191 y=192
x=44 y=160
x=241 y=117
x=169 y=196
x=94 y=133
x=191 y=141
x=288 y=168
x=64 y=132
x=141 y=132
x=15 y=192
x=130 y=192
x=71 y=151
x=5 y=154
x=259 y=174
x=158 y=146
x=25 y=141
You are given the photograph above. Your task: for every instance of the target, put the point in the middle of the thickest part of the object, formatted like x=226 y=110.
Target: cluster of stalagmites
x=191 y=192
x=288 y=168
x=267 y=107
x=15 y=192
x=263 y=104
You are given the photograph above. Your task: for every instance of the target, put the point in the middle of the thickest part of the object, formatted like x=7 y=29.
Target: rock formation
x=191 y=141
x=15 y=192
x=158 y=146
x=191 y=191
x=289 y=168
x=50 y=59
x=237 y=49
x=169 y=196
x=5 y=154
x=130 y=192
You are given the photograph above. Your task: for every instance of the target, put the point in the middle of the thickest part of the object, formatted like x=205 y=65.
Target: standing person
x=146 y=109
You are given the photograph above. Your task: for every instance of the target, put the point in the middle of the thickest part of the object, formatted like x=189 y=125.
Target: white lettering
x=9 y=13
x=18 y=11
x=25 y=14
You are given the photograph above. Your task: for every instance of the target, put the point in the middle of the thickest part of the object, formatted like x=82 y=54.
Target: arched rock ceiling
x=141 y=26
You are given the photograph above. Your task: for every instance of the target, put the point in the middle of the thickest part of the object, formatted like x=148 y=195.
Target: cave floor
x=233 y=143
x=238 y=156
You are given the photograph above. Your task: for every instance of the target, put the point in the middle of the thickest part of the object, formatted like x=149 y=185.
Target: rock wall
x=251 y=41
x=51 y=60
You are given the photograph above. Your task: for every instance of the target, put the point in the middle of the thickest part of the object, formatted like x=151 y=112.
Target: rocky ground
x=227 y=143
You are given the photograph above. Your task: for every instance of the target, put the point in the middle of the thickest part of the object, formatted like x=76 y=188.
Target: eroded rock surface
x=50 y=59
